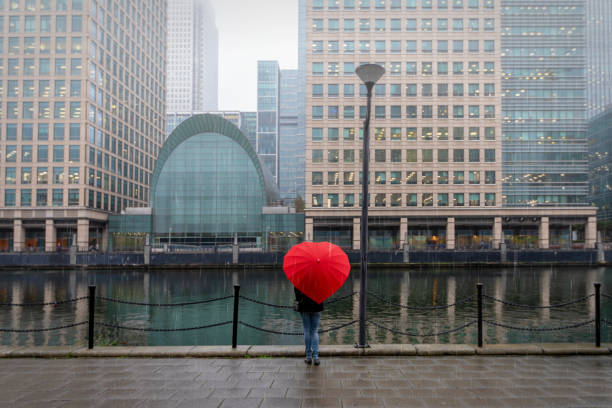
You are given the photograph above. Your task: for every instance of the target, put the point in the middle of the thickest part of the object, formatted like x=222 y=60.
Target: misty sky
x=249 y=31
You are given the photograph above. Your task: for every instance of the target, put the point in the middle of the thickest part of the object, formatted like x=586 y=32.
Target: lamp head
x=370 y=73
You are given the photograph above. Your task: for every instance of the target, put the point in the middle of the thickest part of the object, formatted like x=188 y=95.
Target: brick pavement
x=442 y=381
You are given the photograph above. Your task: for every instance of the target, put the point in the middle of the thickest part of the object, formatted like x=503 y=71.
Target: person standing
x=311 y=316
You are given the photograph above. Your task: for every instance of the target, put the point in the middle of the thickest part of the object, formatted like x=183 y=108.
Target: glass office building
x=208 y=185
x=600 y=149
x=544 y=103
x=268 y=80
x=291 y=173
x=599 y=56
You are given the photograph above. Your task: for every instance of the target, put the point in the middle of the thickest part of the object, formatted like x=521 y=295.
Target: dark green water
x=428 y=287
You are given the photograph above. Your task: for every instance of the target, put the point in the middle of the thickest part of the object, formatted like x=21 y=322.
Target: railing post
x=480 y=315
x=597 y=314
x=92 y=308
x=235 y=322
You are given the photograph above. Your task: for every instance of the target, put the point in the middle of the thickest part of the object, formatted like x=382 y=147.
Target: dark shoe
x=308 y=360
x=317 y=362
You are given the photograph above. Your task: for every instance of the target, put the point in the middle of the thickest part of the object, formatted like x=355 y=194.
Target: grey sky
x=251 y=30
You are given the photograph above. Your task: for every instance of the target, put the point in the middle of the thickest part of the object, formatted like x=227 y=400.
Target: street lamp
x=369 y=74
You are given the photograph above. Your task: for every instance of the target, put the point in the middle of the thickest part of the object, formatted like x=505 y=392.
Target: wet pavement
x=340 y=382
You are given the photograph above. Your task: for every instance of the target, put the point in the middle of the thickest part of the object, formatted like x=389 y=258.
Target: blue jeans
x=310 y=322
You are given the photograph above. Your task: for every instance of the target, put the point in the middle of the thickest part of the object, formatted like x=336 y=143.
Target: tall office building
x=83 y=116
x=544 y=103
x=248 y=126
x=291 y=160
x=436 y=131
x=193 y=56
x=268 y=114
x=599 y=55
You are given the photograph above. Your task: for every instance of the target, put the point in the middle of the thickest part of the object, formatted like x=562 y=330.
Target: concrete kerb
x=380 y=350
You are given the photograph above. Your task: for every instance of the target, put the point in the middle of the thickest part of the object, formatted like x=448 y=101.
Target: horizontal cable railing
x=480 y=321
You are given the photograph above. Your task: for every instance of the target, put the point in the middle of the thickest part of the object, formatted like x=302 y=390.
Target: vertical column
x=83 y=234
x=403 y=231
x=590 y=233
x=104 y=243
x=497 y=232
x=18 y=236
x=356 y=234
x=544 y=241
x=450 y=233
x=50 y=236
x=309 y=230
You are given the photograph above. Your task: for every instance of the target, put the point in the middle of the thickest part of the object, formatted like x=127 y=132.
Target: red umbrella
x=317 y=269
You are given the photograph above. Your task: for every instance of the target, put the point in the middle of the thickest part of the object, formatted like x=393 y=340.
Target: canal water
x=542 y=286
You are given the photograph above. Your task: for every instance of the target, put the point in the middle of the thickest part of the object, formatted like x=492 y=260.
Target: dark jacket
x=306 y=304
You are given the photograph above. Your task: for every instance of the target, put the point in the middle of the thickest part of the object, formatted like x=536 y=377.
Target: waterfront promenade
x=262 y=381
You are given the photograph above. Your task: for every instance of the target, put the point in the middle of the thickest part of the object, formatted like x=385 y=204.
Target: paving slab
x=219 y=351
x=570 y=349
x=343 y=350
x=445 y=350
x=509 y=349
x=276 y=351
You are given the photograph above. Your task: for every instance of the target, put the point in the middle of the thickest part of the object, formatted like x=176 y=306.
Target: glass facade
x=291 y=174
x=599 y=54
x=208 y=185
x=544 y=98
x=600 y=151
x=268 y=81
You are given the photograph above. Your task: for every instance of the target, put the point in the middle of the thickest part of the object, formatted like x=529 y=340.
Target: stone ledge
x=445 y=350
x=509 y=349
x=243 y=351
x=561 y=349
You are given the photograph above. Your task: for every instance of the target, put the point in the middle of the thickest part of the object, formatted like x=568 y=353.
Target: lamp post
x=369 y=74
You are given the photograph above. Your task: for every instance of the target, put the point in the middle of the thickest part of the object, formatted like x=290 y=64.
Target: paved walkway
x=340 y=382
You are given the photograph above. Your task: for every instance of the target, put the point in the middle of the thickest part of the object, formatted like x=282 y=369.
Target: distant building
x=599 y=55
x=268 y=113
x=248 y=126
x=292 y=148
x=193 y=57
x=208 y=186
x=600 y=150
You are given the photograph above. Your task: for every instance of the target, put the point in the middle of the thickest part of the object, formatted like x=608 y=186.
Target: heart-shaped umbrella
x=317 y=269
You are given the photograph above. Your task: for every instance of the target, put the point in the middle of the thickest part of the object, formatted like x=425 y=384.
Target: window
x=317 y=24
x=458 y=111
x=458 y=177
x=489 y=199
x=349 y=4
x=489 y=24
x=396 y=46
x=458 y=133
x=457 y=89
x=458 y=4
x=427 y=111
x=364 y=24
x=473 y=89
x=474 y=199
x=349 y=68
x=396 y=24
x=42 y=175
x=426 y=89
x=317 y=47
x=333 y=90
x=427 y=177
x=426 y=68
x=317 y=68
x=395 y=90
x=474 y=133
x=489 y=90
x=411 y=133
x=458 y=156
x=457 y=24
x=489 y=68
x=411 y=89
x=411 y=68
x=489 y=111
x=427 y=199
x=380 y=46
x=317 y=4
x=426 y=46
x=396 y=111
x=317 y=90
x=457 y=46
x=489 y=133
x=332 y=112
x=364 y=47
x=443 y=133
x=317 y=200
x=489 y=45
x=474 y=155
x=473 y=24
x=380 y=24
x=443 y=177
x=411 y=24
x=473 y=46
x=396 y=68
x=427 y=133
x=490 y=155
x=349 y=178
x=489 y=177
x=474 y=111
x=473 y=67
x=442 y=199
x=411 y=155
x=411 y=177
x=396 y=156
x=442 y=46
x=458 y=200
x=349 y=112
x=333 y=178
x=442 y=24
x=349 y=156
x=333 y=134
x=442 y=68
x=458 y=68
x=380 y=112
x=332 y=47
x=380 y=177
x=333 y=24
x=411 y=46
x=442 y=111
x=332 y=156
x=426 y=24
x=317 y=112
x=349 y=24
x=317 y=134
x=443 y=155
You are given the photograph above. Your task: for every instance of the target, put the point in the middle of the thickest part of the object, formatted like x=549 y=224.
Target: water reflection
x=534 y=286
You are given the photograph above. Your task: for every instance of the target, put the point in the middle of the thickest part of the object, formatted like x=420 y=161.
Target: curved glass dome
x=209 y=184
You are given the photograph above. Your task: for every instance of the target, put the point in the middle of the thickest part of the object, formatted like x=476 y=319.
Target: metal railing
x=479 y=320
